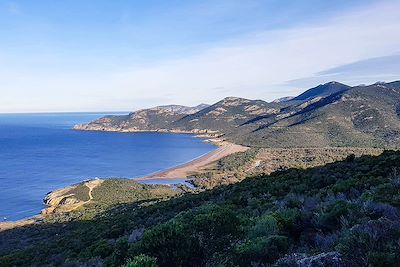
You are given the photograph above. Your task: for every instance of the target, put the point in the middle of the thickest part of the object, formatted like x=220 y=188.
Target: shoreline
x=207 y=133
x=186 y=169
x=182 y=171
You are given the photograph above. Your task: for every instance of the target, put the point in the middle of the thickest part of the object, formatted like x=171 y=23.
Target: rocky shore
x=103 y=128
x=71 y=197
x=59 y=201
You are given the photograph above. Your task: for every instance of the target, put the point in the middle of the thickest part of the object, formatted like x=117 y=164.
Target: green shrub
x=215 y=227
x=170 y=244
x=101 y=248
x=262 y=250
x=265 y=226
x=120 y=253
x=330 y=219
x=142 y=261
x=290 y=221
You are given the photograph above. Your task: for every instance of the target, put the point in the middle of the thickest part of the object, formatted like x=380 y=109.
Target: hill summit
x=331 y=114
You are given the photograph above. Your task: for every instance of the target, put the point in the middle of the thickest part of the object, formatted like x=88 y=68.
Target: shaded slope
x=361 y=116
x=322 y=90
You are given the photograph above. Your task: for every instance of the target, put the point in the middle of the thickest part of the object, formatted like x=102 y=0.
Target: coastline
x=180 y=172
x=206 y=133
x=186 y=169
x=54 y=198
x=20 y=223
x=58 y=201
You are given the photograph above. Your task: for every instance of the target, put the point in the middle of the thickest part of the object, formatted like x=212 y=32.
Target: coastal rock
x=70 y=198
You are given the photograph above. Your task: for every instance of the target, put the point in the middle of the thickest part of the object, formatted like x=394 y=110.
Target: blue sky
x=125 y=55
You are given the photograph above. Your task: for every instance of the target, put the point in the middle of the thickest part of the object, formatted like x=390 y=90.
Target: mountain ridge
x=332 y=114
x=322 y=90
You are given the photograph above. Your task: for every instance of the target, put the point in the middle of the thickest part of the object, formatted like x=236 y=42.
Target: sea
x=40 y=153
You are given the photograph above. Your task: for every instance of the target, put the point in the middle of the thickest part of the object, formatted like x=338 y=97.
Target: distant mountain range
x=331 y=114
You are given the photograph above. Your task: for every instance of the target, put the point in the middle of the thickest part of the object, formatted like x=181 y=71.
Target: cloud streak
x=264 y=65
x=260 y=66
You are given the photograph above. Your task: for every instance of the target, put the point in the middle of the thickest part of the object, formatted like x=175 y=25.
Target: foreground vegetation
x=343 y=214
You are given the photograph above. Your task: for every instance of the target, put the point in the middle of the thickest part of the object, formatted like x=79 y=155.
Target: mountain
x=152 y=119
x=359 y=116
x=225 y=115
x=322 y=90
x=183 y=109
x=283 y=99
x=395 y=84
x=332 y=114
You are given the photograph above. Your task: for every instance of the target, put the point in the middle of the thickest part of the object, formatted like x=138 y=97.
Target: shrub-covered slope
x=342 y=214
x=364 y=116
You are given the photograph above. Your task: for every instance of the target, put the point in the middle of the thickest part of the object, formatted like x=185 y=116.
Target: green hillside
x=343 y=214
x=364 y=116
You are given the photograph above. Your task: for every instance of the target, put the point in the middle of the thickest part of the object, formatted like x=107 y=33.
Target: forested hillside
x=343 y=214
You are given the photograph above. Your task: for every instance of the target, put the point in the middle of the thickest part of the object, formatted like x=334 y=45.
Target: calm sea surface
x=40 y=153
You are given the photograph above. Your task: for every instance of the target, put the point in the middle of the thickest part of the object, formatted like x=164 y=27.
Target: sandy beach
x=185 y=170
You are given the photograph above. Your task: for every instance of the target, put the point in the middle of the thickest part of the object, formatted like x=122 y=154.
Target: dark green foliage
x=346 y=212
x=142 y=261
x=264 y=226
x=170 y=245
x=329 y=220
x=191 y=236
x=101 y=248
x=120 y=253
x=261 y=250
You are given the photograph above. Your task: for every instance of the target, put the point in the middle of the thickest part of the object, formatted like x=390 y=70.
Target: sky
x=100 y=55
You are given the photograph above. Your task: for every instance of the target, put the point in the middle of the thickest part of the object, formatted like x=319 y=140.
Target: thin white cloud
x=256 y=66
x=386 y=68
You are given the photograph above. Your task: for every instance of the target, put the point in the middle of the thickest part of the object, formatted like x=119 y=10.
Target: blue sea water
x=40 y=153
